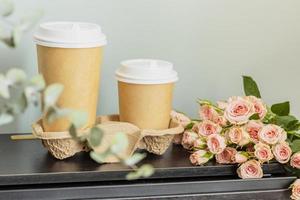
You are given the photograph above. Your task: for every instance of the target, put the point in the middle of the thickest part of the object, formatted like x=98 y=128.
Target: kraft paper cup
x=70 y=53
x=145 y=89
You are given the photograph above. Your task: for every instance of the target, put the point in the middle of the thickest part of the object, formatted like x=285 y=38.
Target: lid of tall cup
x=146 y=71
x=69 y=35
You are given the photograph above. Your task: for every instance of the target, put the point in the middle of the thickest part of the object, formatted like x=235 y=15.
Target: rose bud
x=241 y=157
x=206 y=128
x=200 y=157
x=182 y=119
x=263 y=152
x=237 y=135
x=282 y=152
x=188 y=139
x=296 y=190
x=238 y=110
x=199 y=144
x=250 y=169
x=295 y=160
x=253 y=127
x=207 y=112
x=272 y=134
x=259 y=106
x=216 y=143
x=227 y=156
x=222 y=104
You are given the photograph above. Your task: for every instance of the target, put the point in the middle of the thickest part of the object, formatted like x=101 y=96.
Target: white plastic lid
x=146 y=71
x=69 y=35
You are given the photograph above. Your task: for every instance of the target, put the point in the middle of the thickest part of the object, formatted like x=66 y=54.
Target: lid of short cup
x=69 y=35
x=146 y=71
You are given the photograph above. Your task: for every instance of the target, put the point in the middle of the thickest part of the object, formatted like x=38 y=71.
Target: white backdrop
x=211 y=43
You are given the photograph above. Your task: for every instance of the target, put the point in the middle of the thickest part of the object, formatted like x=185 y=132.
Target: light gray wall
x=211 y=43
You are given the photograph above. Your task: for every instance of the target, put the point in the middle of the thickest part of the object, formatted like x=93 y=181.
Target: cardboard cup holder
x=61 y=145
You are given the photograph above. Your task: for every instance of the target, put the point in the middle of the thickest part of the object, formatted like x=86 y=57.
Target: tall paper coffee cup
x=70 y=53
x=145 y=89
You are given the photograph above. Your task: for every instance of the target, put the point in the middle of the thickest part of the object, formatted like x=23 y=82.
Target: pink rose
x=253 y=127
x=199 y=144
x=250 y=169
x=282 y=152
x=259 y=106
x=200 y=157
x=263 y=152
x=272 y=134
x=239 y=110
x=206 y=128
x=222 y=104
x=216 y=143
x=227 y=156
x=188 y=139
x=180 y=118
x=237 y=135
x=240 y=157
x=296 y=190
x=295 y=160
x=177 y=138
x=207 y=112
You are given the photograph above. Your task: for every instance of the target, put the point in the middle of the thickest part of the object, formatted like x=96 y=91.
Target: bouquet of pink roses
x=243 y=130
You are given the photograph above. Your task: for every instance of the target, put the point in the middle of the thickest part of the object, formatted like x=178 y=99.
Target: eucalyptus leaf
x=78 y=118
x=95 y=137
x=17 y=34
x=18 y=104
x=119 y=143
x=146 y=170
x=6 y=8
x=250 y=87
x=281 y=109
x=52 y=94
x=38 y=82
x=31 y=94
x=15 y=76
x=133 y=175
x=98 y=157
x=51 y=114
x=135 y=158
x=295 y=145
x=6 y=118
x=73 y=131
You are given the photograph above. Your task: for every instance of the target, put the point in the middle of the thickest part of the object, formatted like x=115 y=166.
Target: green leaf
x=52 y=94
x=73 y=131
x=6 y=8
x=15 y=76
x=95 y=137
x=254 y=117
x=79 y=118
x=281 y=109
x=5 y=118
x=293 y=125
x=295 y=145
x=133 y=176
x=119 y=143
x=51 y=114
x=284 y=121
x=250 y=87
x=189 y=126
x=135 y=158
x=18 y=104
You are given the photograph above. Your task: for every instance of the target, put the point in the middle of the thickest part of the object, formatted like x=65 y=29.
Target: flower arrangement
x=245 y=131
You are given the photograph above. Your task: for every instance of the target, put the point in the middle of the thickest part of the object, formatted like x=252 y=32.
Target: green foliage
x=95 y=136
x=281 y=109
x=250 y=87
x=189 y=126
x=254 y=117
x=119 y=143
x=51 y=94
x=295 y=145
x=144 y=171
x=134 y=159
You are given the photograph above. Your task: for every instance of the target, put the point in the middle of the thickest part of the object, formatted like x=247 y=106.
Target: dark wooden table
x=27 y=171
